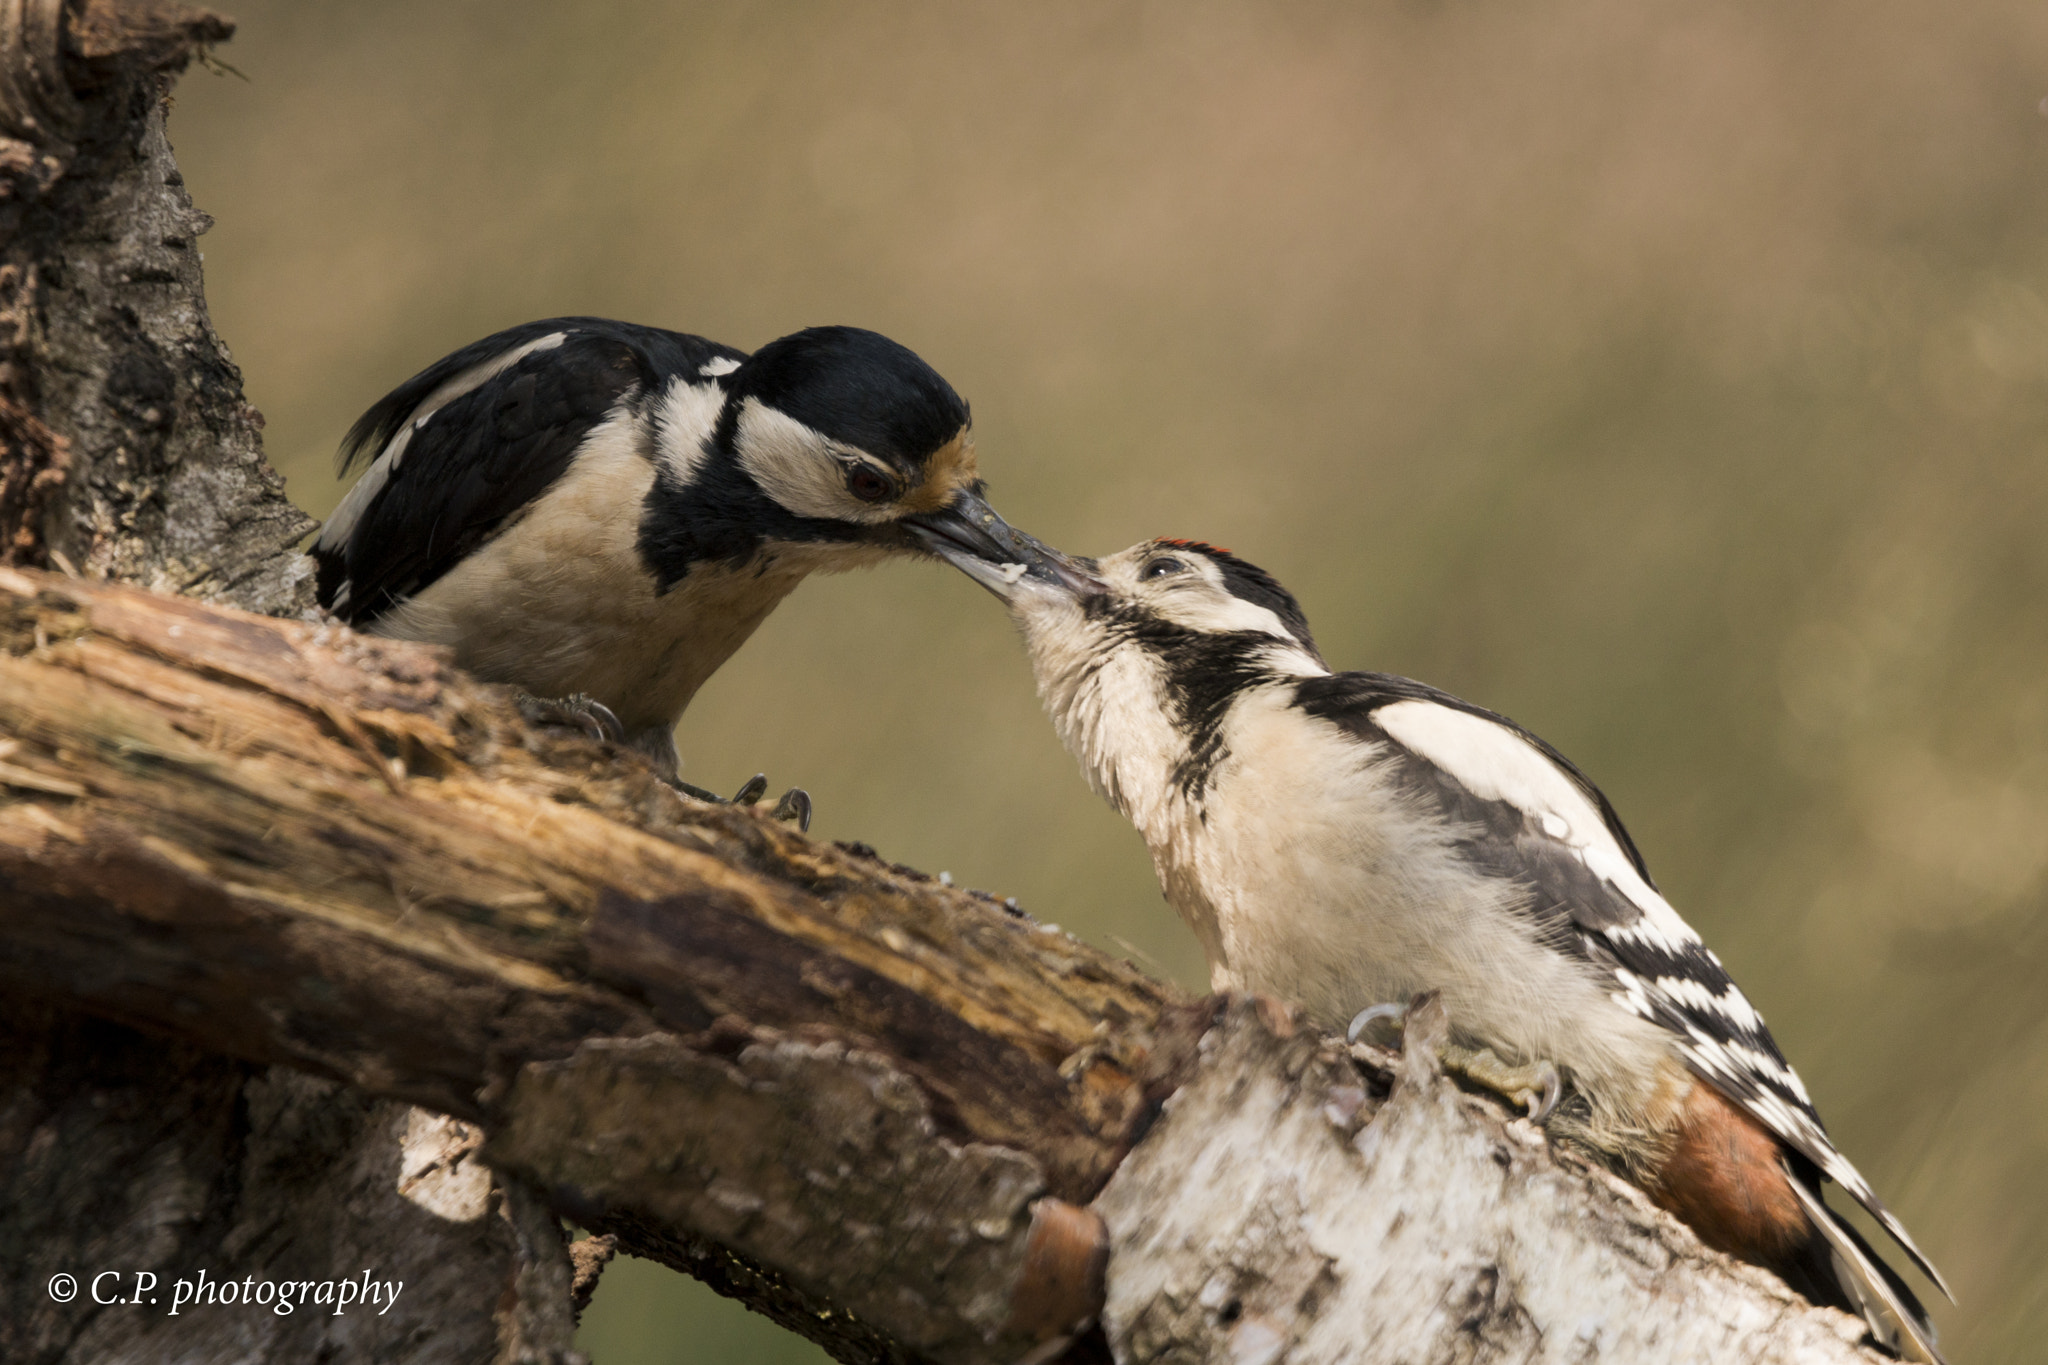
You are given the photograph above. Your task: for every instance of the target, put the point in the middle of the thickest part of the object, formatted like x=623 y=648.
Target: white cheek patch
x=795 y=466
x=683 y=424
x=1217 y=611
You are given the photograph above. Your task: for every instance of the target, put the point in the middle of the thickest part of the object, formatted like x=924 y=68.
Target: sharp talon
x=754 y=790
x=1366 y=1018
x=794 y=807
x=686 y=789
x=608 y=724
x=578 y=711
x=1542 y=1102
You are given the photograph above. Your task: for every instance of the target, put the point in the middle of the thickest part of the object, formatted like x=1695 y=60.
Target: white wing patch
x=1497 y=764
x=717 y=366
x=342 y=524
x=477 y=375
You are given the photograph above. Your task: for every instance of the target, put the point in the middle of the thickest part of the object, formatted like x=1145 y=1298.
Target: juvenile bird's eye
x=1160 y=568
x=868 y=483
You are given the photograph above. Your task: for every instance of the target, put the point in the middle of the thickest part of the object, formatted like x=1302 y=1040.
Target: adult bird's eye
x=868 y=483
x=1160 y=568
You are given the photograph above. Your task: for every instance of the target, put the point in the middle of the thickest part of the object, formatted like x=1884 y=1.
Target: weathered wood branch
x=293 y=844
x=713 y=1037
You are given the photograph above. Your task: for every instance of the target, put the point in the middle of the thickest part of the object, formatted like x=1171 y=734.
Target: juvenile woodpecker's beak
x=973 y=539
x=1047 y=569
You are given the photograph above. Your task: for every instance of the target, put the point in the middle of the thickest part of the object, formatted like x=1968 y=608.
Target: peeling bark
x=1283 y=1210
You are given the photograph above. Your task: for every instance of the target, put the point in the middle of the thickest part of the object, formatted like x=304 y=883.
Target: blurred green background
x=1671 y=377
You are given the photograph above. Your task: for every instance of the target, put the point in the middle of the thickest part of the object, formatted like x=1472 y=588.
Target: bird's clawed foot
x=578 y=711
x=793 y=807
x=587 y=715
x=1536 y=1087
x=1366 y=1018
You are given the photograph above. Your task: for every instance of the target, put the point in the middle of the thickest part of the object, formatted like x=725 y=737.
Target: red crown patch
x=1193 y=545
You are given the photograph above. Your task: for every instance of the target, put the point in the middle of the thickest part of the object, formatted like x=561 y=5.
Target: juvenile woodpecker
x=583 y=506
x=1346 y=839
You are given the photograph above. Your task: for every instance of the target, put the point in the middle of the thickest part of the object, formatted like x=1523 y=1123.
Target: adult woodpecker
x=583 y=507
x=1345 y=839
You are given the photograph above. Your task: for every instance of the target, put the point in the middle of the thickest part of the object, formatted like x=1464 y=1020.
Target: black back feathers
x=486 y=454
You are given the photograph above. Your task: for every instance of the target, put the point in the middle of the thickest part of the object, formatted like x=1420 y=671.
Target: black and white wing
x=1533 y=817
x=464 y=446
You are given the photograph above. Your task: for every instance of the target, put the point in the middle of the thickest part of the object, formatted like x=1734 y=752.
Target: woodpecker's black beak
x=965 y=526
x=973 y=539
